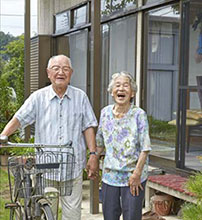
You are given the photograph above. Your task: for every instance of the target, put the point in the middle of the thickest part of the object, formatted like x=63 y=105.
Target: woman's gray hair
x=122 y=73
x=55 y=56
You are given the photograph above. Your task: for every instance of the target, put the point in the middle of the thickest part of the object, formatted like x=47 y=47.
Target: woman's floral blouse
x=124 y=139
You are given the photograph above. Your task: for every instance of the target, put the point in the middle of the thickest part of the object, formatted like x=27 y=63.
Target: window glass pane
x=105 y=7
x=147 y=2
x=162 y=77
x=78 y=43
x=80 y=16
x=193 y=131
x=118 y=5
x=113 y=6
x=150 y=1
x=122 y=46
x=62 y=22
x=105 y=65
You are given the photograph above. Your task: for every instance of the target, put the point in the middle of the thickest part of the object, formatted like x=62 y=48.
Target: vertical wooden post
x=27 y=57
x=96 y=59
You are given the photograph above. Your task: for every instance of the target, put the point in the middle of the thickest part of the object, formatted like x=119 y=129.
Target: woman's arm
x=135 y=179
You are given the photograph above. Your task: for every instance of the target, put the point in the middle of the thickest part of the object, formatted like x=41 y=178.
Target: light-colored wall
x=46 y=10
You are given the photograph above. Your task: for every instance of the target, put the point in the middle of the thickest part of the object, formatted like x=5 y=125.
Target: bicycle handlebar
x=5 y=143
x=3 y=139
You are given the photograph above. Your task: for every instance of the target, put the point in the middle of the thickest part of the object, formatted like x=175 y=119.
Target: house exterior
x=158 y=41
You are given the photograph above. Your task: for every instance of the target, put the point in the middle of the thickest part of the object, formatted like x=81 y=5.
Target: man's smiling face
x=59 y=72
x=122 y=92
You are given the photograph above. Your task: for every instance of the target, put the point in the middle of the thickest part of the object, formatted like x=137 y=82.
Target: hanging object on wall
x=199 y=50
x=198 y=54
x=198 y=22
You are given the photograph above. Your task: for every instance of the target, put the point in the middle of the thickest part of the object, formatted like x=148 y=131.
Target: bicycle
x=39 y=178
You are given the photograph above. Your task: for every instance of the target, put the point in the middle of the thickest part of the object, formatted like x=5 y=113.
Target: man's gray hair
x=55 y=56
x=122 y=73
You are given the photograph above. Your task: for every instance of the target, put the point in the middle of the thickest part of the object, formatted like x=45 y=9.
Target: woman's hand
x=135 y=184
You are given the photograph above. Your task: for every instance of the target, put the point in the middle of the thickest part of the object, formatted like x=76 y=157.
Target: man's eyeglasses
x=65 y=69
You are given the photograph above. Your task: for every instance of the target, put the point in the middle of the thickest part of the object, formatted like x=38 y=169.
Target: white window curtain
x=78 y=43
x=122 y=46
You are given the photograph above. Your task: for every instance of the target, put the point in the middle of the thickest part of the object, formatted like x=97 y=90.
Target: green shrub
x=161 y=130
x=194 y=211
x=194 y=185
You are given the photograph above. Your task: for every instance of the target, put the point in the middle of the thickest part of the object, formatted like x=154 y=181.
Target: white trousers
x=71 y=205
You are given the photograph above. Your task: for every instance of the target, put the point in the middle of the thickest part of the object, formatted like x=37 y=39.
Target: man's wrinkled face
x=59 y=72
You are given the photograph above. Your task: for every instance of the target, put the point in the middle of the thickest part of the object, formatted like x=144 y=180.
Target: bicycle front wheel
x=46 y=213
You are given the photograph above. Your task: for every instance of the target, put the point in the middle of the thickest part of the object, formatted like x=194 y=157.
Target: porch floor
x=193 y=159
x=85 y=212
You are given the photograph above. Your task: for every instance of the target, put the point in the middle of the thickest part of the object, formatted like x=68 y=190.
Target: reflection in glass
x=113 y=6
x=62 y=22
x=194 y=92
x=80 y=15
x=162 y=77
x=147 y=2
x=105 y=7
x=105 y=65
x=122 y=4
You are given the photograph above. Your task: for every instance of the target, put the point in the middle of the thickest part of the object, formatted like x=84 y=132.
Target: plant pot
x=162 y=204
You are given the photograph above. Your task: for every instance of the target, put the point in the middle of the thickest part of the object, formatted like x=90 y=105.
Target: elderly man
x=61 y=113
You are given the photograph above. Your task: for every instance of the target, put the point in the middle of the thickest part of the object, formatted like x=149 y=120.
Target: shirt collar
x=52 y=93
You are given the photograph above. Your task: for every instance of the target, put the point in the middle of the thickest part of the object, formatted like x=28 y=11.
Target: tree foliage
x=13 y=70
x=11 y=82
x=7 y=107
x=4 y=40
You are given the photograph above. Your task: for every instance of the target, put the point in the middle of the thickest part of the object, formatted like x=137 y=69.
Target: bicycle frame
x=30 y=183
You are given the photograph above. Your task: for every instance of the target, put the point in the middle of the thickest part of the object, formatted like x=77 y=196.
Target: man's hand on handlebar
x=3 y=139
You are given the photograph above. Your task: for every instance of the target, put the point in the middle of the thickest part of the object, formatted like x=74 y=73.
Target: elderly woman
x=123 y=131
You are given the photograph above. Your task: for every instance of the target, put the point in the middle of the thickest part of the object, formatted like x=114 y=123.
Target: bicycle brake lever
x=69 y=143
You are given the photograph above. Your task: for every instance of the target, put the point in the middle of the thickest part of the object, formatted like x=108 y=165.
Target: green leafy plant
x=4 y=193
x=22 y=150
x=194 y=211
x=7 y=108
x=13 y=71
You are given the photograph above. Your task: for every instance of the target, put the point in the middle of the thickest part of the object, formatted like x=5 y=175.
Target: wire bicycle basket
x=45 y=171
